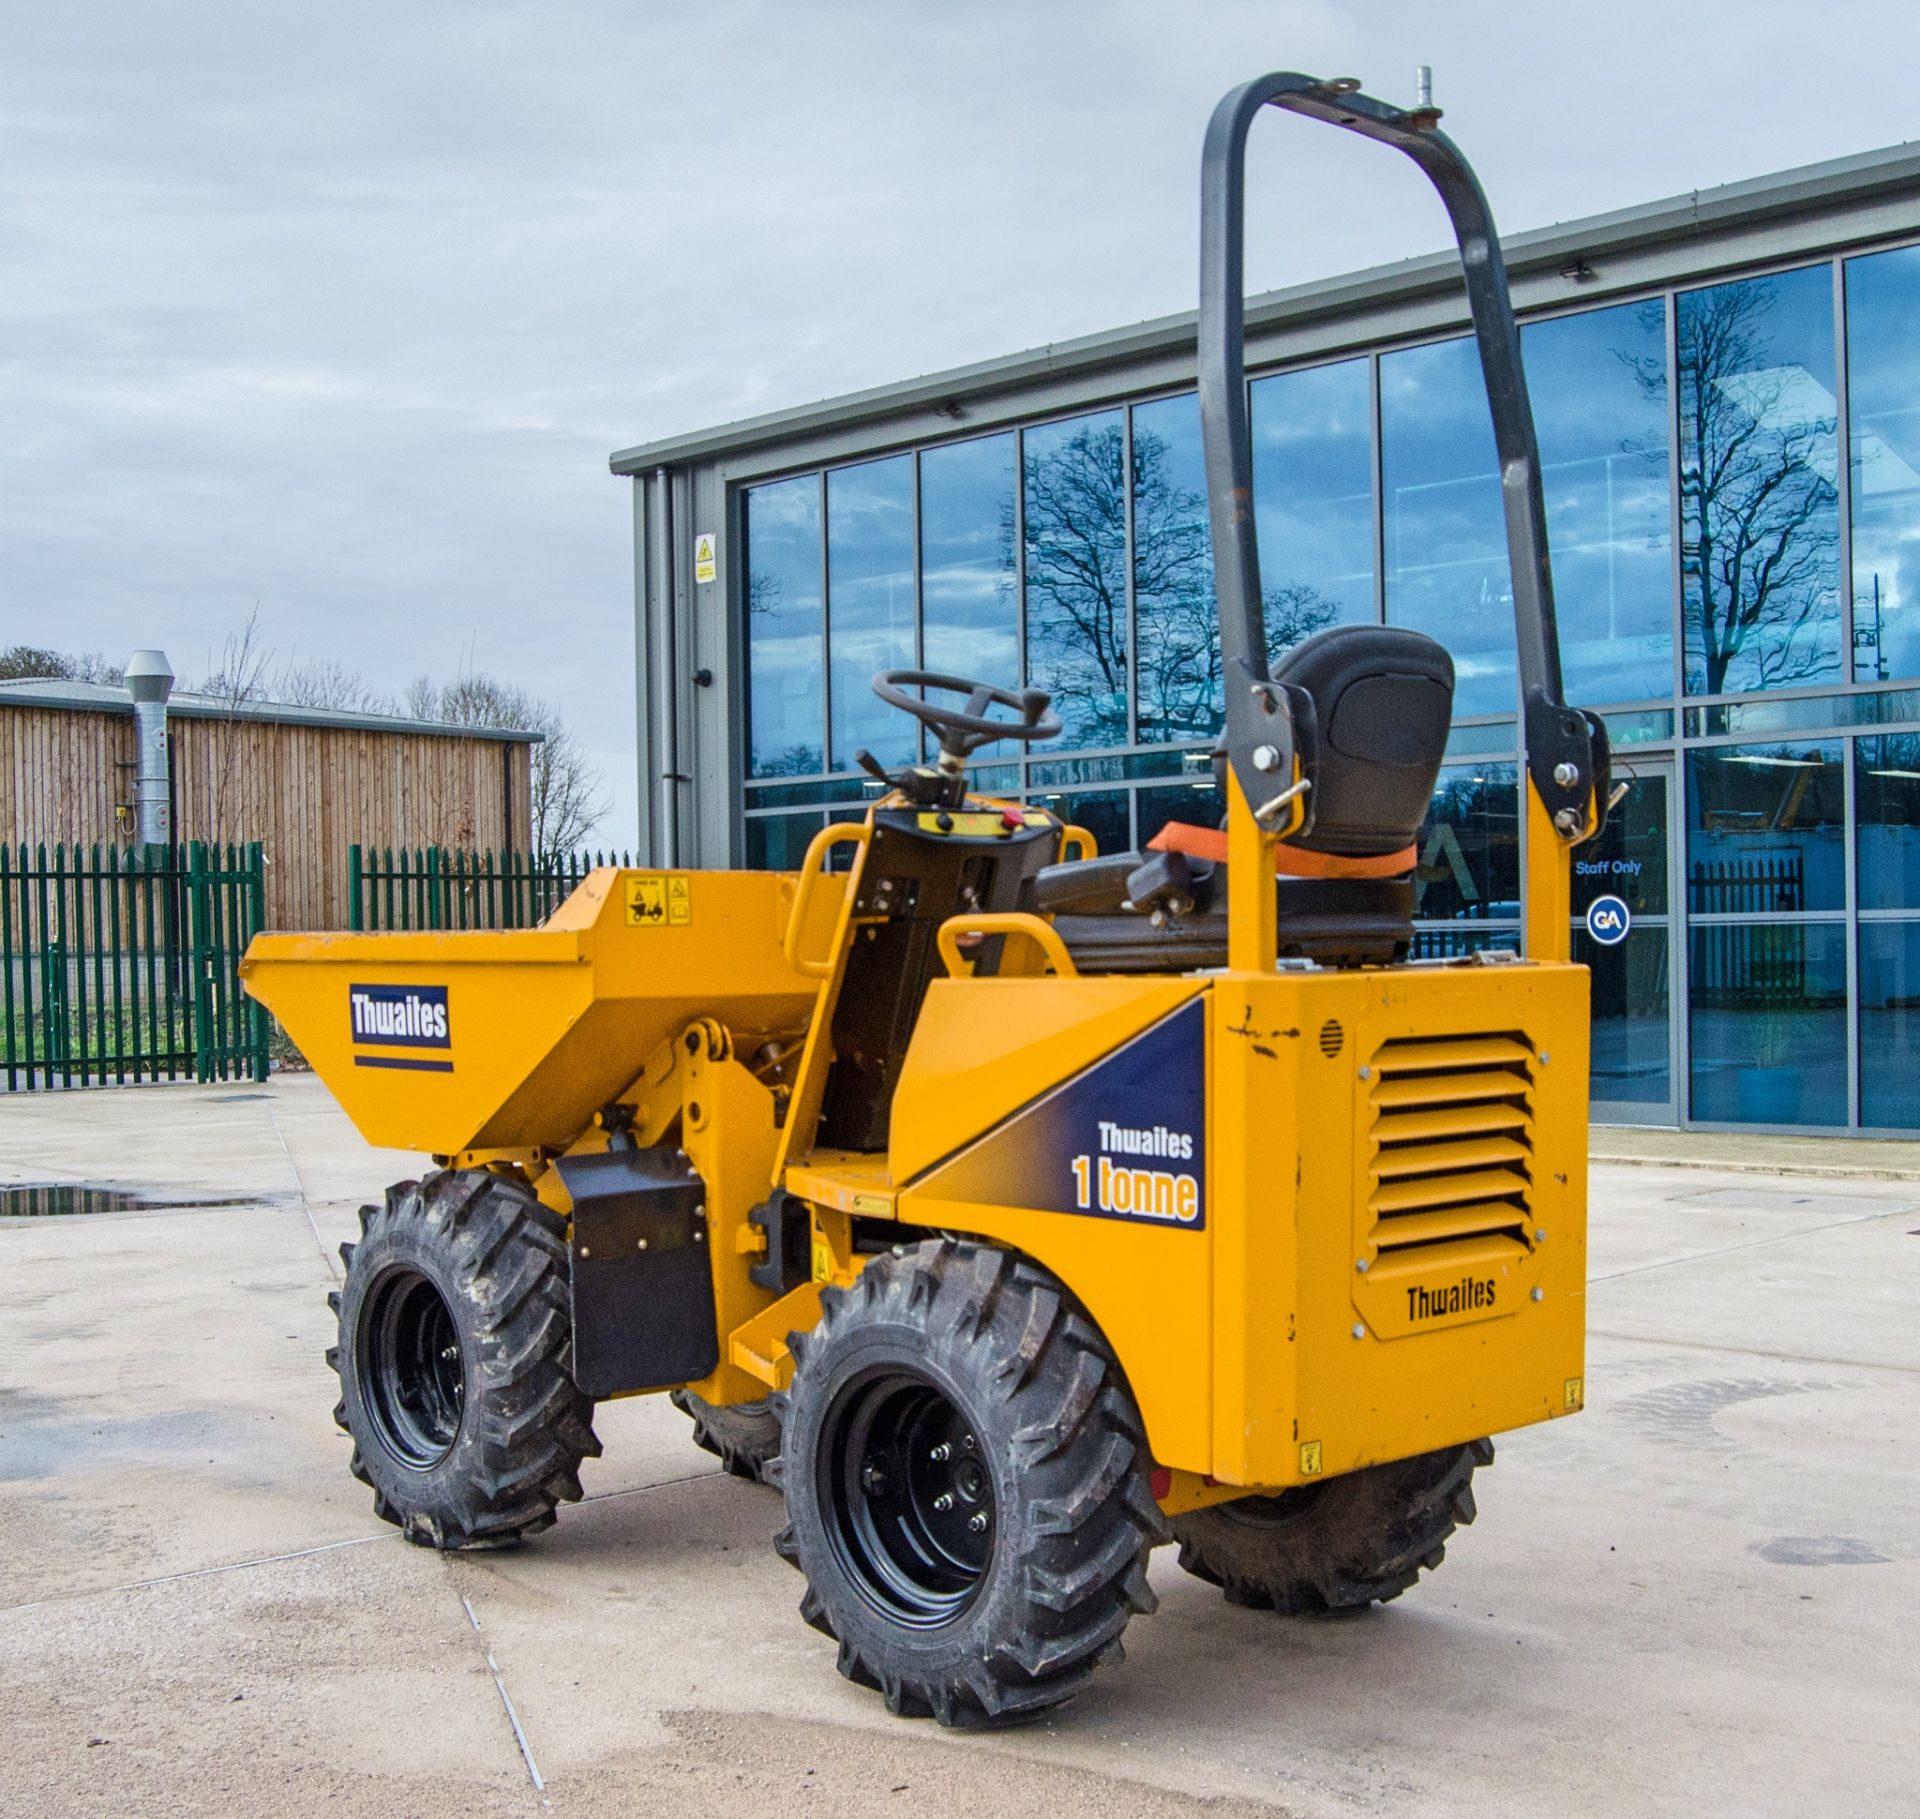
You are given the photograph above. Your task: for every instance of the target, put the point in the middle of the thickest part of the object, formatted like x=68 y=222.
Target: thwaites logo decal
x=400 y=1016
x=1124 y=1140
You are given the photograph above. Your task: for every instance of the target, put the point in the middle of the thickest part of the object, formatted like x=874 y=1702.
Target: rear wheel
x=744 y=1437
x=455 y=1357
x=966 y=1484
x=1361 y=1538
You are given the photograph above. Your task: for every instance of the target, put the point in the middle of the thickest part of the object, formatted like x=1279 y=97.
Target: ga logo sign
x=1608 y=920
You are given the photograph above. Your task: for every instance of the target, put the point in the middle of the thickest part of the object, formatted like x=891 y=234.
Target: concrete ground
x=1700 y=1597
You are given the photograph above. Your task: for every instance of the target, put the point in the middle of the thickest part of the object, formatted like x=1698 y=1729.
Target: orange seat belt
x=1293 y=861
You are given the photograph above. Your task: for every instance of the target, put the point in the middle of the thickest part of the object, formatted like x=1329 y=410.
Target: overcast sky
x=341 y=308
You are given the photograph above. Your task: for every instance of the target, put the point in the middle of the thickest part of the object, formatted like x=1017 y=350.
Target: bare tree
x=763 y=595
x=1179 y=661
x=234 y=681
x=1076 y=556
x=1076 y=551
x=1760 y=530
x=568 y=797
x=327 y=682
x=421 y=700
x=240 y=674
x=797 y=760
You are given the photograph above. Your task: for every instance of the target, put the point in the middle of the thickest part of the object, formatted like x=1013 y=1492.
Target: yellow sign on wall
x=705 y=565
x=658 y=900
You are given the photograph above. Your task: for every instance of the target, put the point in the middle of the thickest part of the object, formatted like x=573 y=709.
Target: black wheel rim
x=908 y=1497
x=413 y=1382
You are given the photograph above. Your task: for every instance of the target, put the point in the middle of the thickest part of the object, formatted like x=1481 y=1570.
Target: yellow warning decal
x=822 y=1259
x=873 y=1203
x=1310 y=1458
x=1576 y=1393
x=657 y=900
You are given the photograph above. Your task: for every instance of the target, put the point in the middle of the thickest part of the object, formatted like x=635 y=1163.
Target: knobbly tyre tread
x=525 y=1426
x=1078 y=1515
x=1361 y=1538
x=745 y=1438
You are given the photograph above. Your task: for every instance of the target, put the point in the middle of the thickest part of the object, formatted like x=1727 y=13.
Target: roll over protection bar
x=1567 y=755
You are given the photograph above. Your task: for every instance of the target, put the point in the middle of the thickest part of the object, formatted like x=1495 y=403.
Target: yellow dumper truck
x=1013 y=1207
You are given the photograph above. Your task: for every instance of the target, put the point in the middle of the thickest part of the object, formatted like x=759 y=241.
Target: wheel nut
x=977 y=1521
x=944 y=1501
x=967 y=1441
x=941 y=1453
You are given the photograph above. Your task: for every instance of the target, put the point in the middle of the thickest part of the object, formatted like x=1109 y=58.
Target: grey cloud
x=342 y=308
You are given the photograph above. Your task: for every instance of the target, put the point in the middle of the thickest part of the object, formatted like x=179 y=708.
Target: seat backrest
x=1383 y=701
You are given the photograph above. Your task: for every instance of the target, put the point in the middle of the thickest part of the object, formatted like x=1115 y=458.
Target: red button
x=1011 y=818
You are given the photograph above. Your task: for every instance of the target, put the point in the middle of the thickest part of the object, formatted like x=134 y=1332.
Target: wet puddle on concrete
x=52 y=1199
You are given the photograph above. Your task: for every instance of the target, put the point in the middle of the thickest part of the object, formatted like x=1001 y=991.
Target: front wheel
x=966 y=1483
x=455 y=1356
x=1360 y=1538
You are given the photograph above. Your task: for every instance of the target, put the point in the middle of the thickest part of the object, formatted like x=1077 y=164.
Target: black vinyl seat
x=1382 y=704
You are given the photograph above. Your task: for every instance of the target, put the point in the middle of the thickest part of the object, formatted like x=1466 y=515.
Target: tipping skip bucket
x=502 y=1040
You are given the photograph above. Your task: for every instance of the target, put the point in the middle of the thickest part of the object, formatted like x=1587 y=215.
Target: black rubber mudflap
x=643 y=1312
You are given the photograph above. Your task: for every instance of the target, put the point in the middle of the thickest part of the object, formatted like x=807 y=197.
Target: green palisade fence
x=435 y=887
x=121 y=965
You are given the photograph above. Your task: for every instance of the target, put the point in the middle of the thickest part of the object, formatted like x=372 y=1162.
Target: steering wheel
x=963 y=731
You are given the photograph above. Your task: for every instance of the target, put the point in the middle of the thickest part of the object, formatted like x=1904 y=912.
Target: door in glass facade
x=1766 y=934
x=1632 y=979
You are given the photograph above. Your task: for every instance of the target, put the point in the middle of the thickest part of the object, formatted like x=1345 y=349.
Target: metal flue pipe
x=150 y=682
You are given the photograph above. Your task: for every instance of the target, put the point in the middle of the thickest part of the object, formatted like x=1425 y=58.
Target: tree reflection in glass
x=1179 y=631
x=1076 y=558
x=1760 y=537
x=1313 y=502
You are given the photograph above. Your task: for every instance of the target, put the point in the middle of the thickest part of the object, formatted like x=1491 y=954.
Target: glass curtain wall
x=1760 y=514
x=1599 y=386
x=1737 y=590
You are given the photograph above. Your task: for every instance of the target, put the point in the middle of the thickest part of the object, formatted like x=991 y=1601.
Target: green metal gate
x=435 y=887
x=121 y=965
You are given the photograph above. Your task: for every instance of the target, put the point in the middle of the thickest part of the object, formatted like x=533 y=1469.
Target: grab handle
x=1040 y=932
x=835 y=833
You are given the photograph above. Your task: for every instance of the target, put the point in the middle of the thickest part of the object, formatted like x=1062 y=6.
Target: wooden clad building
x=305 y=782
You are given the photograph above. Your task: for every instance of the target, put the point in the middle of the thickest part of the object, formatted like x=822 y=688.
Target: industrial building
x=1727 y=390
x=306 y=782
